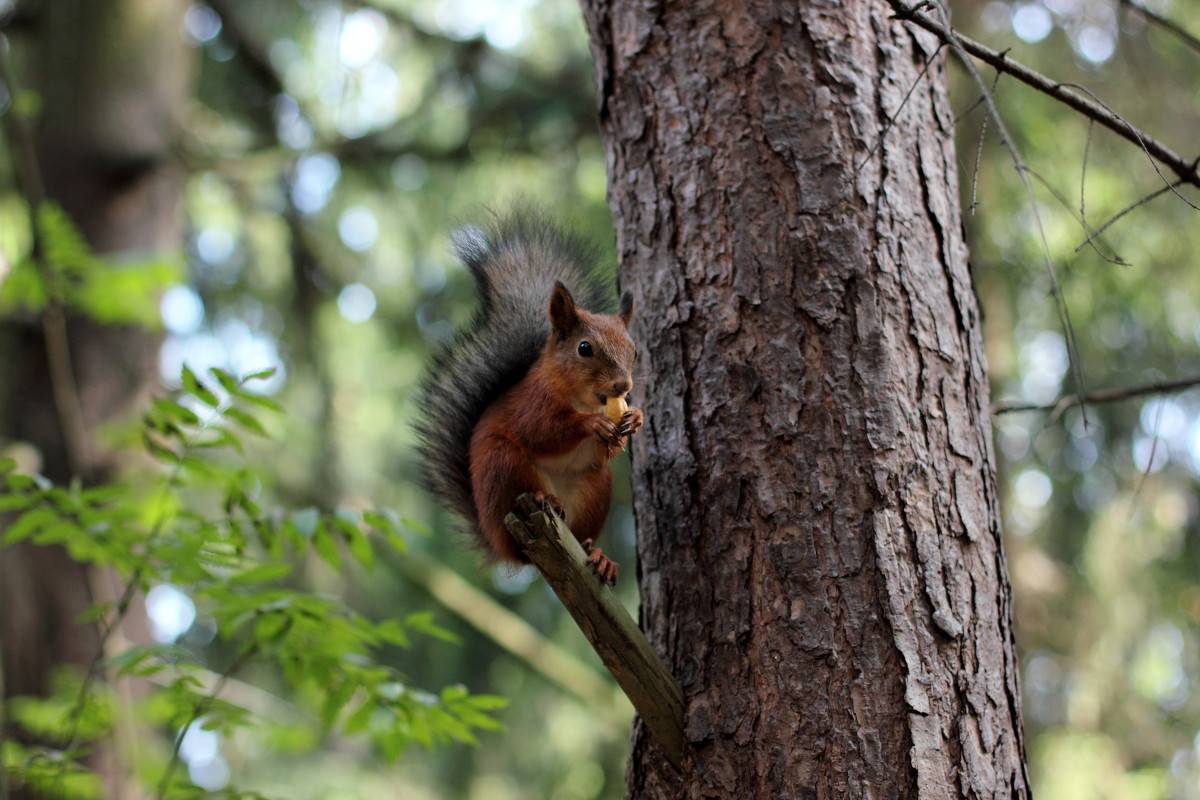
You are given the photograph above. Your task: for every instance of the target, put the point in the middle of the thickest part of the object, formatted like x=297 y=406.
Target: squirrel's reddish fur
x=546 y=433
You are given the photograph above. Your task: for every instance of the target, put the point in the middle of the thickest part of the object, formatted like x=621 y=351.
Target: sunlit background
x=333 y=147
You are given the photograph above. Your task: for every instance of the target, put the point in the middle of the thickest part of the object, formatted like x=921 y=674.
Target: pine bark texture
x=818 y=525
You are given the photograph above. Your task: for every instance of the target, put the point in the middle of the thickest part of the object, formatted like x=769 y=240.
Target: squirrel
x=517 y=401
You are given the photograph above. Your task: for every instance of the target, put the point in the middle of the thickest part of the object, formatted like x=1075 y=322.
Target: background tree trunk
x=112 y=76
x=818 y=527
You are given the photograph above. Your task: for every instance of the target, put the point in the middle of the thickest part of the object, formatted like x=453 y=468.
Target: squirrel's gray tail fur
x=516 y=260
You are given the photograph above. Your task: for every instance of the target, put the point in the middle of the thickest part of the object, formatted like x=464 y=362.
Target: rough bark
x=112 y=76
x=818 y=529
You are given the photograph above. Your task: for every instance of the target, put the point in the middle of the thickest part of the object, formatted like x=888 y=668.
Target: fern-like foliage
x=197 y=524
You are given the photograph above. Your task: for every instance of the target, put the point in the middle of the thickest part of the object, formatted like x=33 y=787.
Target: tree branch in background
x=54 y=320
x=1174 y=27
x=1142 y=201
x=512 y=633
x=1103 y=396
x=1184 y=169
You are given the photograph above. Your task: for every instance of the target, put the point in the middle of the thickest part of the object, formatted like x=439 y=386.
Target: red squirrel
x=516 y=403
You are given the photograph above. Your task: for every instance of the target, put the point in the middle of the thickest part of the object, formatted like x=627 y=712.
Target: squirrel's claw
x=608 y=434
x=604 y=567
x=631 y=420
x=548 y=502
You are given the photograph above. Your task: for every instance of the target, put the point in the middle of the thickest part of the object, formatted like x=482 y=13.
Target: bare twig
x=1102 y=396
x=1087 y=149
x=892 y=119
x=1149 y=462
x=1080 y=88
x=979 y=147
x=1186 y=170
x=1123 y=212
x=1174 y=27
x=1115 y=258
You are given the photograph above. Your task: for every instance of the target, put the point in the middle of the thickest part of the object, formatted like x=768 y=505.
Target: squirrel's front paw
x=631 y=420
x=604 y=567
x=607 y=433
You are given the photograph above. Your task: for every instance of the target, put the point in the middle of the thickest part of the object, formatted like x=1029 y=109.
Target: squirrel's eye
x=585 y=349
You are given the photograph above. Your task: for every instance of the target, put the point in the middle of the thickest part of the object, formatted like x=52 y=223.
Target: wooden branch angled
x=621 y=645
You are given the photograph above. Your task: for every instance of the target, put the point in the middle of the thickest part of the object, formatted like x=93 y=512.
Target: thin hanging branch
x=1102 y=396
x=892 y=119
x=1142 y=201
x=1186 y=170
x=1158 y=19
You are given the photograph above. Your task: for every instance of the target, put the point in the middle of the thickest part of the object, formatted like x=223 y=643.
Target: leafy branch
x=236 y=567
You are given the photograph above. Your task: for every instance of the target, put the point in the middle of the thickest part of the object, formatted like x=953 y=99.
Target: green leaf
x=392 y=632
x=263 y=573
x=246 y=420
x=157 y=449
x=124 y=292
x=172 y=411
x=193 y=386
x=423 y=621
x=416 y=526
x=30 y=523
x=261 y=375
x=24 y=288
x=64 y=249
x=7 y=465
x=326 y=547
x=262 y=402
x=305 y=521
x=358 y=544
x=360 y=720
x=382 y=522
x=227 y=381
x=335 y=701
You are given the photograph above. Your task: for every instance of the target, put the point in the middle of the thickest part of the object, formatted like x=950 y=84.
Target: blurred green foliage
x=1101 y=506
x=330 y=149
x=195 y=530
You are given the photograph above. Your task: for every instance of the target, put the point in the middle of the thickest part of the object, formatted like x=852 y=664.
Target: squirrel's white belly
x=562 y=474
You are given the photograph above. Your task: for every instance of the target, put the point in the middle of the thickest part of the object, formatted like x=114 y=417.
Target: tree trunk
x=112 y=76
x=818 y=524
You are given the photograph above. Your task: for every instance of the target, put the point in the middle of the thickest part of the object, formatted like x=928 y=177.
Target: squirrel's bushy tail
x=516 y=260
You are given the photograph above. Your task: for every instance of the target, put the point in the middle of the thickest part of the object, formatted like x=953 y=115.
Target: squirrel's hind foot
x=604 y=567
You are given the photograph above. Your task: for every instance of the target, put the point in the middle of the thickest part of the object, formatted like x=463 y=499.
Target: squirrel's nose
x=621 y=388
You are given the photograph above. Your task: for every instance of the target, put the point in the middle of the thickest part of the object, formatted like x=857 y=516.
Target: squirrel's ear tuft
x=563 y=315
x=626 y=312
